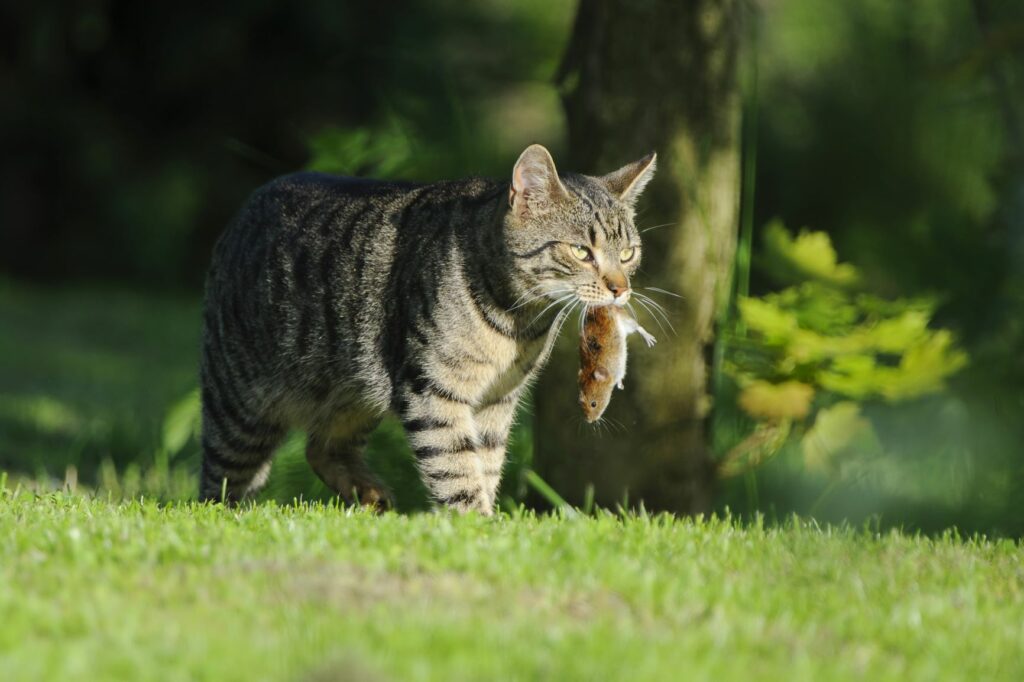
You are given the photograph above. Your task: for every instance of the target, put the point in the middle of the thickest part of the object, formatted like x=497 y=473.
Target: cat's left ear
x=629 y=181
x=535 y=184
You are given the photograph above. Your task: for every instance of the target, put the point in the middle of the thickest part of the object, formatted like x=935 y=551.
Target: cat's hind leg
x=237 y=450
x=336 y=453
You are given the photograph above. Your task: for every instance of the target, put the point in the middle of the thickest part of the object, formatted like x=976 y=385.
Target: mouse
x=603 y=356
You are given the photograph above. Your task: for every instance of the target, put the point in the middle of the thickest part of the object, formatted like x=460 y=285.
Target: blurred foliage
x=839 y=432
x=820 y=344
x=898 y=128
x=808 y=256
x=379 y=153
x=182 y=423
x=852 y=345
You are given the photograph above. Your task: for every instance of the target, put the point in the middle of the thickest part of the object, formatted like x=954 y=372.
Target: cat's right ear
x=535 y=184
x=629 y=181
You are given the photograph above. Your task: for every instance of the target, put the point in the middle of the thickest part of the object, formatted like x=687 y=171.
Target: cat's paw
x=466 y=504
x=373 y=495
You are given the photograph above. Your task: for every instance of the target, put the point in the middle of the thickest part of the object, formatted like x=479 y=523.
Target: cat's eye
x=581 y=252
x=627 y=254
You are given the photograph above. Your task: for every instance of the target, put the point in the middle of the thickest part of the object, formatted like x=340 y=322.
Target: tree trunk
x=656 y=75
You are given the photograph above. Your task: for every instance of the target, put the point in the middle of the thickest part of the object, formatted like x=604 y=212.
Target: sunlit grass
x=97 y=589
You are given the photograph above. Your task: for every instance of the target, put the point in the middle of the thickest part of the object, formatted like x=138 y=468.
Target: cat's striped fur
x=332 y=300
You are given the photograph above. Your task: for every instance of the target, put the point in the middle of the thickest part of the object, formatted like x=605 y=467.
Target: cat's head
x=573 y=237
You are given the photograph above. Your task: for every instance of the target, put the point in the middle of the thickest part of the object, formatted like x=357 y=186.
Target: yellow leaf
x=808 y=256
x=788 y=400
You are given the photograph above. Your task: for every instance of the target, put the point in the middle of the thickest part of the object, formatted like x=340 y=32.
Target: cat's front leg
x=443 y=436
x=493 y=423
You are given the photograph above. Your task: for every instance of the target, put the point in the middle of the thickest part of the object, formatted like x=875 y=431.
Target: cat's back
x=289 y=275
x=308 y=200
x=317 y=272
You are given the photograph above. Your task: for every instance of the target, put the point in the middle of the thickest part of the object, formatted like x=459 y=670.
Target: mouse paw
x=647 y=337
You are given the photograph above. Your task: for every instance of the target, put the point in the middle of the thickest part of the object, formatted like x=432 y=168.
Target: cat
x=332 y=300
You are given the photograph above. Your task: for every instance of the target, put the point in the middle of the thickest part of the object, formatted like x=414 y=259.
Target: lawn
x=94 y=589
x=87 y=374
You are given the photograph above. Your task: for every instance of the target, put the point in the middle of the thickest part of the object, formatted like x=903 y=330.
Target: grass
x=132 y=590
x=87 y=374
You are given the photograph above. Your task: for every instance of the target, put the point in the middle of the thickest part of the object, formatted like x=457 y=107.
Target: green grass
x=87 y=374
x=93 y=589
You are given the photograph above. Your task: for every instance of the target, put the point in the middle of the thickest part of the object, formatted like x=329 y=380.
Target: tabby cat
x=332 y=300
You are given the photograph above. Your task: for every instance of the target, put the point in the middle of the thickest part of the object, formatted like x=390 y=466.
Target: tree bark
x=640 y=76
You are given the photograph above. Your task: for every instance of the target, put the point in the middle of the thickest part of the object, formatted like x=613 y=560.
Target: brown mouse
x=603 y=356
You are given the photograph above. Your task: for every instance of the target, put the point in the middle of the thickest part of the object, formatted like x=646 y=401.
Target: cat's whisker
x=632 y=311
x=568 y=314
x=520 y=303
x=647 y=298
x=583 y=316
x=657 y=307
x=563 y=314
x=549 y=306
x=655 y=227
x=525 y=294
x=535 y=289
x=653 y=316
x=663 y=291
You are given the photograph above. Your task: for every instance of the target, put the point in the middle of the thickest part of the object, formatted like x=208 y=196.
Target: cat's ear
x=629 y=181
x=535 y=184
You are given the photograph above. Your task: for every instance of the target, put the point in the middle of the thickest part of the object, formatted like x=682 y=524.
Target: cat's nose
x=619 y=291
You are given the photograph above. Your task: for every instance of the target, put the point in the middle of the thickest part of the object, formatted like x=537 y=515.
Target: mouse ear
x=601 y=374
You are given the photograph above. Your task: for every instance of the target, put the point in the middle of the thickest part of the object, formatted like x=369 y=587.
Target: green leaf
x=382 y=152
x=853 y=376
x=767 y=319
x=181 y=423
x=924 y=368
x=809 y=256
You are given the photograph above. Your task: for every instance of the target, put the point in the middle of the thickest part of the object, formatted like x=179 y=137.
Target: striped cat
x=332 y=300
